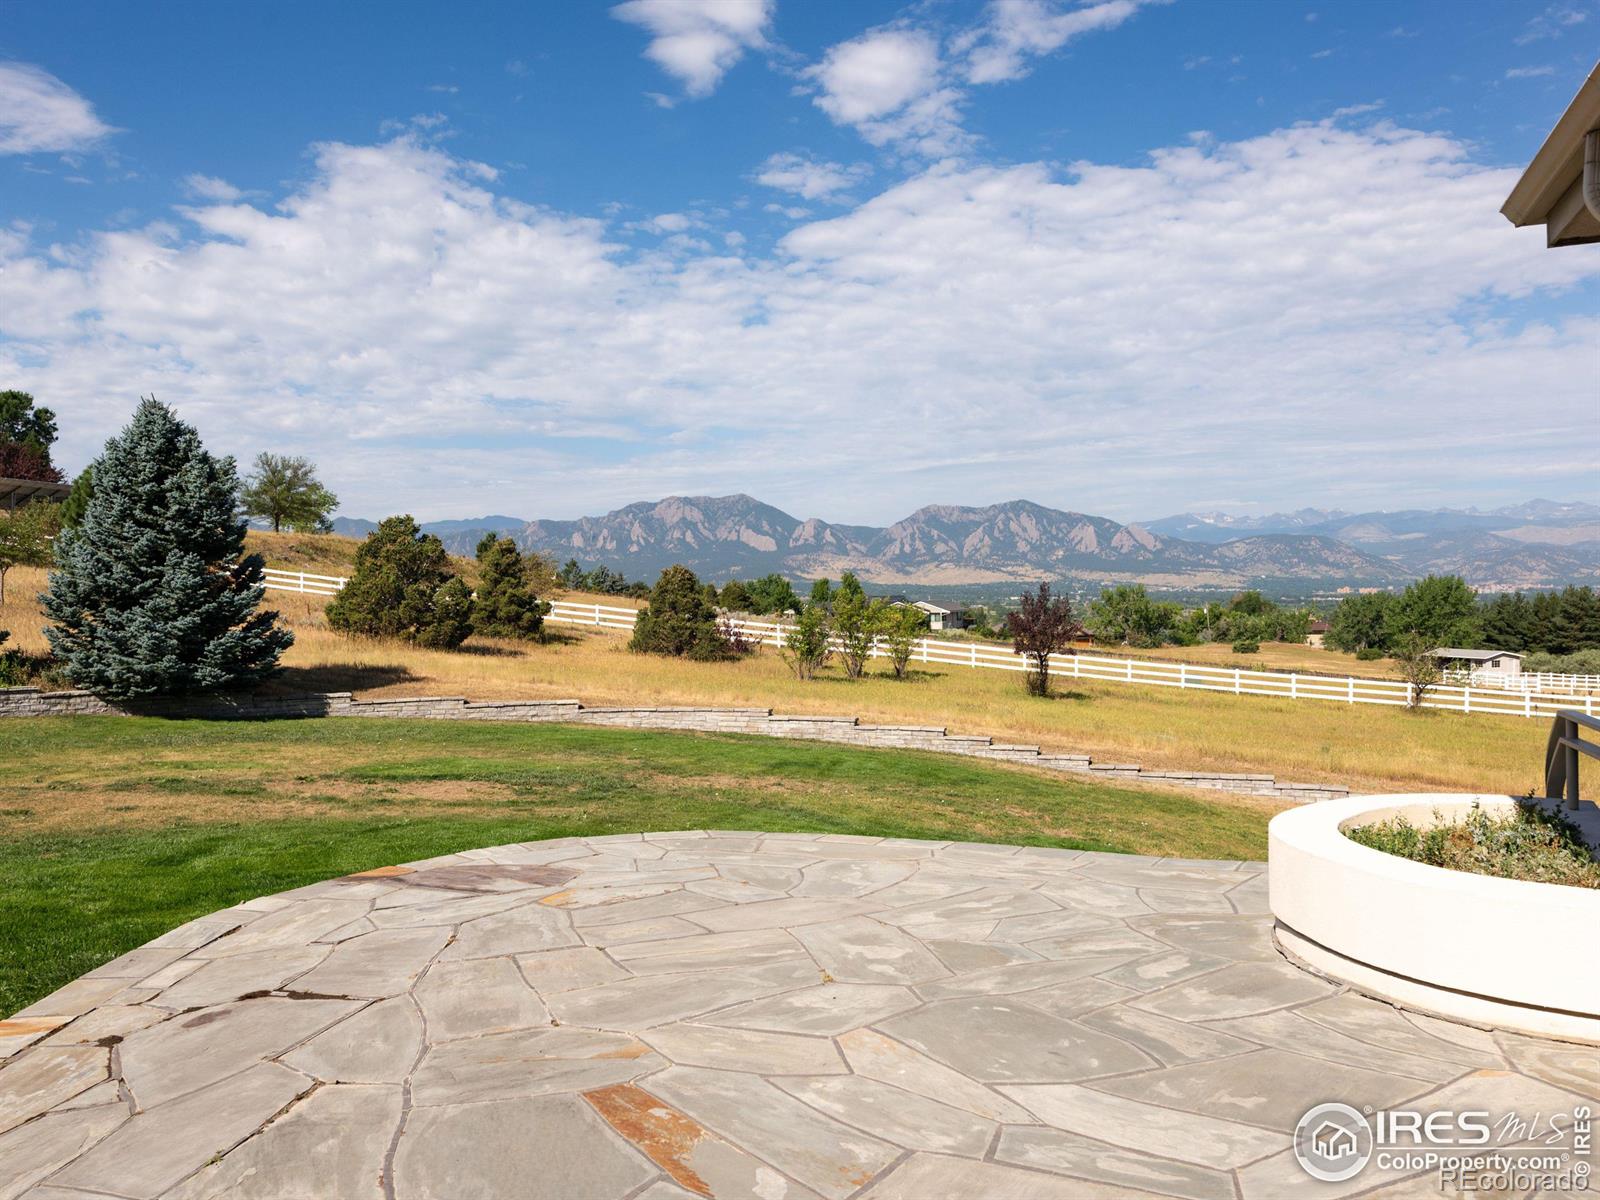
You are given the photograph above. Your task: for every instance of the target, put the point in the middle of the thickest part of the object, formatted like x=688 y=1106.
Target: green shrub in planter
x=1247 y=646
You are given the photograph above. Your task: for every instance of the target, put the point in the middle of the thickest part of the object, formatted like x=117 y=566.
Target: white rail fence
x=299 y=581
x=1528 y=681
x=1240 y=682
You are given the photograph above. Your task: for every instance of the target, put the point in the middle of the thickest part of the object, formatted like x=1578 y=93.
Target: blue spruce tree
x=150 y=595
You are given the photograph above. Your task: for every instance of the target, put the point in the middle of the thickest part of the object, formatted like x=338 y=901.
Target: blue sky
x=1125 y=257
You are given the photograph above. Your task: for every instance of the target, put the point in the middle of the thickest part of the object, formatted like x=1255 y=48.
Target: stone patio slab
x=830 y=1158
x=753 y=1050
x=332 y=1143
x=829 y=1008
x=33 y=1151
x=864 y=950
x=697 y=1015
x=1002 y=1040
x=912 y=1122
x=158 y=1148
x=1265 y=1087
x=926 y=1175
x=490 y=1151
x=197 y=1049
x=1073 y=1154
x=538 y=1062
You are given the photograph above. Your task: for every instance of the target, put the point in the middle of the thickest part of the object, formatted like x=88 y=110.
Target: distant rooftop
x=16 y=492
x=1473 y=655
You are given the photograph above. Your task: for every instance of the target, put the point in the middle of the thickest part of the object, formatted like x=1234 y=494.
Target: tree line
x=1128 y=615
x=1445 y=611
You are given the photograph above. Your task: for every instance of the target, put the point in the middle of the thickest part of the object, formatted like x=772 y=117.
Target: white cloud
x=1255 y=318
x=209 y=187
x=1553 y=22
x=897 y=86
x=887 y=84
x=1013 y=31
x=808 y=178
x=40 y=113
x=697 y=41
x=1529 y=72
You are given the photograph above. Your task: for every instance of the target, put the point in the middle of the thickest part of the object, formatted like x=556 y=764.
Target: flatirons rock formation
x=1535 y=544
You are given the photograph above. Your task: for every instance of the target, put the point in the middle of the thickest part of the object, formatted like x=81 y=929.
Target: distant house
x=1317 y=634
x=938 y=616
x=1505 y=662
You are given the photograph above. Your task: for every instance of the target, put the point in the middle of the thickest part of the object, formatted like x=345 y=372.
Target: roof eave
x=1558 y=165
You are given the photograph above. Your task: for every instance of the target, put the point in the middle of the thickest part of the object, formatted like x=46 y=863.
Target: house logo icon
x=1333 y=1142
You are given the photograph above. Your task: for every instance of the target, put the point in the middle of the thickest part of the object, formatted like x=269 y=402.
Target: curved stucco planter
x=1503 y=953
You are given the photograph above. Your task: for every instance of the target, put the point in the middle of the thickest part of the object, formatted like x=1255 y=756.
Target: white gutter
x=1591 y=172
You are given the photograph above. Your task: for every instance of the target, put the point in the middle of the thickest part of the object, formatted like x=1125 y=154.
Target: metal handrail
x=1561 y=755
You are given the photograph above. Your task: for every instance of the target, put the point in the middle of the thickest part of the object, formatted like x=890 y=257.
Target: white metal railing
x=1561 y=755
x=1468 y=698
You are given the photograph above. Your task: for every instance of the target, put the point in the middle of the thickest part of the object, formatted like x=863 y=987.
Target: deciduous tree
x=1040 y=627
x=1441 y=610
x=806 y=644
x=286 y=491
x=858 y=622
x=1418 y=665
x=1361 y=622
x=26 y=435
x=902 y=627
x=25 y=537
x=772 y=594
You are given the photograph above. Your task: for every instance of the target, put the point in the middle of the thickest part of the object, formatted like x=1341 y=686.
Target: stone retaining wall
x=31 y=702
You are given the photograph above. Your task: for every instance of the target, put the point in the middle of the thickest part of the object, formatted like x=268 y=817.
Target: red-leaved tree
x=1041 y=627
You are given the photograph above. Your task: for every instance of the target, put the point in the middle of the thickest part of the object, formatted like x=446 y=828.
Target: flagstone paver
x=693 y=1014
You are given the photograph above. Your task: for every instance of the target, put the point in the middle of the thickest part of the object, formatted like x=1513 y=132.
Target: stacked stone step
x=701 y=720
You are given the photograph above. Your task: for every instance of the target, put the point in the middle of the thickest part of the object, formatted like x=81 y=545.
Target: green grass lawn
x=113 y=830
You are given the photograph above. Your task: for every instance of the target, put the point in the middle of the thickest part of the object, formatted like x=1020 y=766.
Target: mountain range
x=1537 y=544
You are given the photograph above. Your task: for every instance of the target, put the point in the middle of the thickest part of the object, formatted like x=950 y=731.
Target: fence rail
x=299 y=581
x=1528 y=681
x=1467 y=698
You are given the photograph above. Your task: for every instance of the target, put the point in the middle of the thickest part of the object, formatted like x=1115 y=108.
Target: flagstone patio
x=729 y=1014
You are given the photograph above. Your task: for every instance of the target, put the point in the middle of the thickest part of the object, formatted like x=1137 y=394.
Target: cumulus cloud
x=1257 y=318
x=697 y=41
x=39 y=113
x=887 y=83
x=899 y=85
x=1014 y=31
x=209 y=187
x=808 y=178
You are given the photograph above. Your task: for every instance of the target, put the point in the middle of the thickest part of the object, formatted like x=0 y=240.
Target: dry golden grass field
x=1362 y=746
